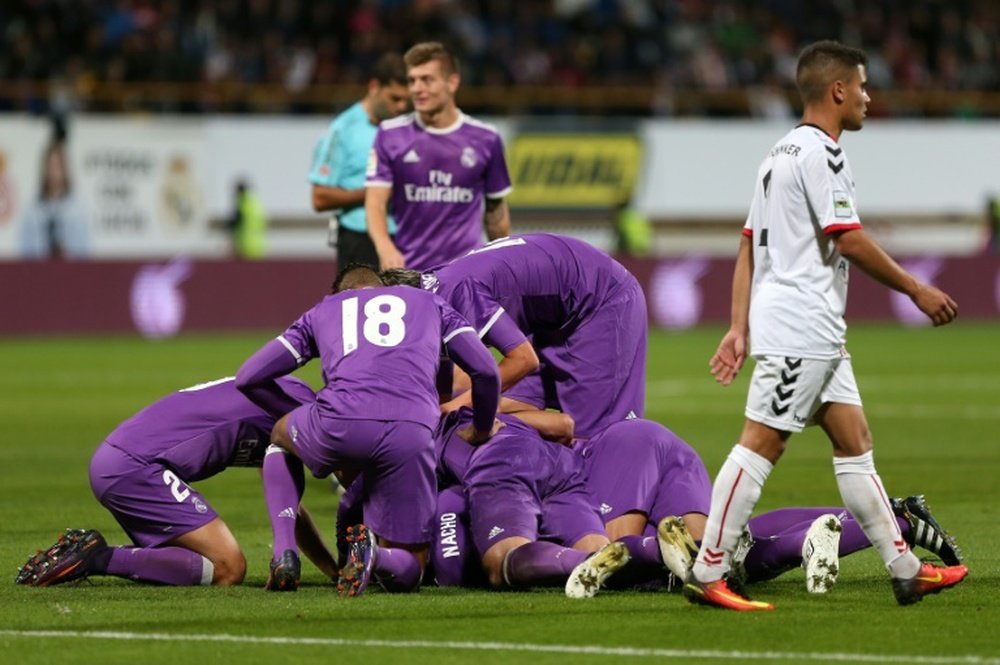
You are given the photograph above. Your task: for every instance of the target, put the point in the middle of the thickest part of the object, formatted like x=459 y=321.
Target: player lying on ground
x=647 y=482
x=141 y=474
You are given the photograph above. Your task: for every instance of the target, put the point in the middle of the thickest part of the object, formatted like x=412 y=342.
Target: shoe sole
x=349 y=582
x=820 y=557
x=586 y=579
x=677 y=548
x=698 y=594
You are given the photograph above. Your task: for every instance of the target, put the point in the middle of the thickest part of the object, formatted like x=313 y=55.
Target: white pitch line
x=514 y=646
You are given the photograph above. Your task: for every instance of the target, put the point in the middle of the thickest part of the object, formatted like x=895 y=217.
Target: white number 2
x=381 y=327
x=175 y=486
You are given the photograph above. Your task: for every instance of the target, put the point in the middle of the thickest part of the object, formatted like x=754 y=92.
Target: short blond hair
x=424 y=52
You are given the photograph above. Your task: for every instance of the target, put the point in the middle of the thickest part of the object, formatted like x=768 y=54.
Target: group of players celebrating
x=539 y=469
x=509 y=492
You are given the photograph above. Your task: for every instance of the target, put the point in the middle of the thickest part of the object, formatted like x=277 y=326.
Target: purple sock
x=541 y=564
x=776 y=521
x=397 y=569
x=780 y=550
x=646 y=564
x=175 y=566
x=853 y=538
x=284 y=482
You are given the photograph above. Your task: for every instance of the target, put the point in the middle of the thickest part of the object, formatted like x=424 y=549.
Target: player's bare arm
x=331 y=198
x=514 y=366
x=376 y=203
x=552 y=425
x=857 y=247
x=497 y=219
x=729 y=357
x=311 y=543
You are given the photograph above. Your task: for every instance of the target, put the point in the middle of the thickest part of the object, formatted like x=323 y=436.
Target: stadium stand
x=641 y=57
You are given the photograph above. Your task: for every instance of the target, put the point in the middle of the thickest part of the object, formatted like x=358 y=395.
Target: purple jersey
x=641 y=466
x=517 y=484
x=380 y=349
x=529 y=284
x=199 y=431
x=439 y=180
x=585 y=314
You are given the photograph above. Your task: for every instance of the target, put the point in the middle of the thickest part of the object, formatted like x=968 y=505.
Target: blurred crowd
x=712 y=45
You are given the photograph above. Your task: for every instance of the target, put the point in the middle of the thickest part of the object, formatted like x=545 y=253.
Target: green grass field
x=932 y=397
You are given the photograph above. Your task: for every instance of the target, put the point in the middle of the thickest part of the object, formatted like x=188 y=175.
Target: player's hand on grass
x=477 y=437
x=729 y=357
x=936 y=304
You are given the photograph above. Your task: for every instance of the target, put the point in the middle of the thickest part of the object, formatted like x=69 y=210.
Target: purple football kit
x=380 y=349
x=641 y=466
x=439 y=179
x=584 y=313
x=517 y=484
x=141 y=473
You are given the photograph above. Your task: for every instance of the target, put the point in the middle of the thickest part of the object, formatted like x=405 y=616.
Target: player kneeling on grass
x=380 y=348
x=503 y=496
x=141 y=474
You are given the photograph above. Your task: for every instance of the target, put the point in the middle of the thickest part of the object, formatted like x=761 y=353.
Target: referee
x=341 y=158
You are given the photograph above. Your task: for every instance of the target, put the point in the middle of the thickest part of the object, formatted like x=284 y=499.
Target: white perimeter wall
x=151 y=184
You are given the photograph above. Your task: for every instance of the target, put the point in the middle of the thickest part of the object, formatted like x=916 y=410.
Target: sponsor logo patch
x=842 y=204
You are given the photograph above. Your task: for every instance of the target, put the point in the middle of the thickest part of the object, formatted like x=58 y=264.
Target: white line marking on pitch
x=513 y=646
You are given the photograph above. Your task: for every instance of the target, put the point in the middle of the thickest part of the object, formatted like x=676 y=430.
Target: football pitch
x=932 y=399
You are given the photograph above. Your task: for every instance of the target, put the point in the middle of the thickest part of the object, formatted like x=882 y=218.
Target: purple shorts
x=396 y=459
x=641 y=466
x=598 y=374
x=524 y=487
x=150 y=502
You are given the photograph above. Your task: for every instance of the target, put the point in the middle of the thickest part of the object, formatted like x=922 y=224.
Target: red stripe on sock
x=887 y=504
x=725 y=512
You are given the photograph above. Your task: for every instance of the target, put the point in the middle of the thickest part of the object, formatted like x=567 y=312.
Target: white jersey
x=804 y=193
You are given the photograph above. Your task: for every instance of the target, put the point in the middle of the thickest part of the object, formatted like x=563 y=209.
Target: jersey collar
x=441 y=130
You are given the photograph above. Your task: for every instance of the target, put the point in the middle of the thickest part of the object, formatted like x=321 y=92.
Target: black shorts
x=355 y=247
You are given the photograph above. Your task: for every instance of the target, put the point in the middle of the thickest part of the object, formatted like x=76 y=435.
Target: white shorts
x=785 y=393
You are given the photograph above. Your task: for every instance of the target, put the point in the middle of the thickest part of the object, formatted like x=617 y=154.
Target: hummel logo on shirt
x=494 y=532
x=411 y=156
x=287 y=512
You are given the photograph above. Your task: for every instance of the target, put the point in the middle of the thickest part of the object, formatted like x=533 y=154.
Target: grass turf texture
x=932 y=399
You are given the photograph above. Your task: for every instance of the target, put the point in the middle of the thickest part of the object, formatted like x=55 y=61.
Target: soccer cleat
x=69 y=560
x=736 y=578
x=718 y=594
x=586 y=579
x=285 y=573
x=820 y=553
x=925 y=530
x=362 y=553
x=930 y=579
x=677 y=547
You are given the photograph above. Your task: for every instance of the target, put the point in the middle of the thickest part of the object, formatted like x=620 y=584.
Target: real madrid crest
x=468 y=158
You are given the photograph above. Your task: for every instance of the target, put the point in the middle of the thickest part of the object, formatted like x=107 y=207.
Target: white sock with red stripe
x=863 y=495
x=734 y=494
